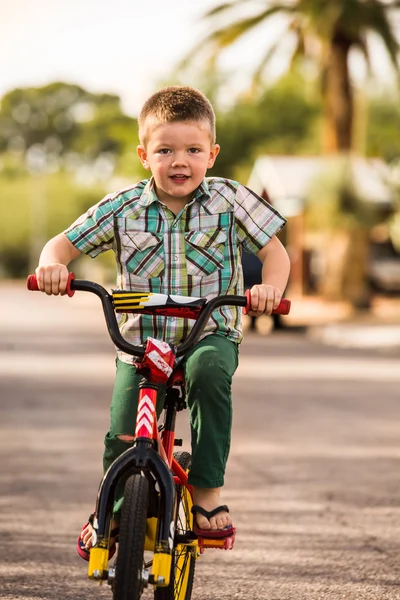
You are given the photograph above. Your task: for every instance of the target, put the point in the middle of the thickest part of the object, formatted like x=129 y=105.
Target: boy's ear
x=142 y=154
x=213 y=155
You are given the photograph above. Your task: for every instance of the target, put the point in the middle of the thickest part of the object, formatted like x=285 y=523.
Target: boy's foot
x=209 y=500
x=85 y=540
x=87 y=536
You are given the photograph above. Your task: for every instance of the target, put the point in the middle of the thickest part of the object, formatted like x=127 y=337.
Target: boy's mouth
x=179 y=177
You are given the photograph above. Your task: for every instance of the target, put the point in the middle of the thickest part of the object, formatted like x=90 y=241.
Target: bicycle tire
x=128 y=584
x=183 y=563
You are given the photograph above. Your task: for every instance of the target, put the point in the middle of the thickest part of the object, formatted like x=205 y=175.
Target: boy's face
x=178 y=155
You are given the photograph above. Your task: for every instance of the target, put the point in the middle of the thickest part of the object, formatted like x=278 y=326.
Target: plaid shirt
x=194 y=253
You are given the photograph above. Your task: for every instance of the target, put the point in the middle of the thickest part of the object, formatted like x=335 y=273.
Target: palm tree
x=325 y=31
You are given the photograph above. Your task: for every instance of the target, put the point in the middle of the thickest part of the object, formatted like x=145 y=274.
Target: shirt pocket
x=205 y=251
x=142 y=253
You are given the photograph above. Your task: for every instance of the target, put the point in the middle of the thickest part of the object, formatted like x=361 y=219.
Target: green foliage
x=51 y=138
x=281 y=121
x=64 y=118
x=34 y=209
x=334 y=203
x=384 y=126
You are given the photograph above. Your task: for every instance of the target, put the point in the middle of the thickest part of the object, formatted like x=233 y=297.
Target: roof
x=287 y=179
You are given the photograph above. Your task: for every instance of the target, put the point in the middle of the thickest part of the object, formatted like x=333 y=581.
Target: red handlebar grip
x=283 y=307
x=32 y=285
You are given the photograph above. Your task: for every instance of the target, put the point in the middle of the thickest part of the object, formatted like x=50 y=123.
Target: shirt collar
x=202 y=191
x=148 y=195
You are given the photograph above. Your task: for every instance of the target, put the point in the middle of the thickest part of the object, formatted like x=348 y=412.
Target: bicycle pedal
x=225 y=543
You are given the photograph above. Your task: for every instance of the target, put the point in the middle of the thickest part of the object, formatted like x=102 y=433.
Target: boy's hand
x=52 y=278
x=264 y=298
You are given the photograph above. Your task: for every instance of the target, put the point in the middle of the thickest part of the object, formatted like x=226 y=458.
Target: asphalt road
x=313 y=481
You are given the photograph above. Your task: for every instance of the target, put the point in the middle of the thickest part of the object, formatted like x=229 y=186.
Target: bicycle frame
x=151 y=454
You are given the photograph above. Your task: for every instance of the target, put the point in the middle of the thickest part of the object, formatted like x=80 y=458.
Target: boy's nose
x=179 y=159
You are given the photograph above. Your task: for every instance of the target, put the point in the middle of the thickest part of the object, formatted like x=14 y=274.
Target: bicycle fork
x=140 y=458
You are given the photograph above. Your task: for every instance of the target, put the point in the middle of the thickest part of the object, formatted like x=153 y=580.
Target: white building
x=286 y=182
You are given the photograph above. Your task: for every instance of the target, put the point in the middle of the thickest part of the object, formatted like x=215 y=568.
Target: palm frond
x=221 y=38
x=361 y=44
x=359 y=17
x=383 y=28
x=228 y=35
x=222 y=8
x=299 y=51
x=257 y=75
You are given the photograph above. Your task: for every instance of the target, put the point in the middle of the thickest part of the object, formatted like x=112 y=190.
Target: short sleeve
x=256 y=220
x=93 y=232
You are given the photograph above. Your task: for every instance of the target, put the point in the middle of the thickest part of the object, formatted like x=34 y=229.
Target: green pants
x=209 y=368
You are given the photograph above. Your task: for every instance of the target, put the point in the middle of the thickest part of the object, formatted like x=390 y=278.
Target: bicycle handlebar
x=180 y=301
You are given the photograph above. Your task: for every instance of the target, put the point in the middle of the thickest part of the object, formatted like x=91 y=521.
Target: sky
x=119 y=46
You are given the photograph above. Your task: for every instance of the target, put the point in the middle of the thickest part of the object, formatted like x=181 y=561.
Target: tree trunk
x=356 y=288
x=345 y=259
x=337 y=98
x=333 y=254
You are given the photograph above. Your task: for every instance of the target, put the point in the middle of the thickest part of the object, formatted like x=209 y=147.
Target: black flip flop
x=212 y=534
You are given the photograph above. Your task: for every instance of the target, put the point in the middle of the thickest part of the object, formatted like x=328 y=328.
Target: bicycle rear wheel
x=128 y=584
x=183 y=563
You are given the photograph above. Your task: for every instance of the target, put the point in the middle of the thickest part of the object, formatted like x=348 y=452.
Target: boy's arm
x=52 y=272
x=275 y=274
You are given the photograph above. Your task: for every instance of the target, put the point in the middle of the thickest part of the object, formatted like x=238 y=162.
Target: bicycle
x=156 y=514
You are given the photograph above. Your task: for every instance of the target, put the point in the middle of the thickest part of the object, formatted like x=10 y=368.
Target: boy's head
x=176 y=104
x=177 y=142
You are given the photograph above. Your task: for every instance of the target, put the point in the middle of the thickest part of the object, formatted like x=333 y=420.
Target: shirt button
x=175 y=258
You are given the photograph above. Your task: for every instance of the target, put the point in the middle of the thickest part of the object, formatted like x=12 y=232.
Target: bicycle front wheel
x=128 y=584
x=183 y=563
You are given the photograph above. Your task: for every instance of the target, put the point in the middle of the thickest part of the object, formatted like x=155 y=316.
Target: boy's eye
x=193 y=150
x=164 y=151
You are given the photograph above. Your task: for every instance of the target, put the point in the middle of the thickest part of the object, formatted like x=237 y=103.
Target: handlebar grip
x=32 y=285
x=283 y=307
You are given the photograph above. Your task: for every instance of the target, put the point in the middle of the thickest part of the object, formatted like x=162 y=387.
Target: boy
x=179 y=233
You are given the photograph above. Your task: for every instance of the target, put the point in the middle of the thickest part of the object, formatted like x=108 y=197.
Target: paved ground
x=313 y=480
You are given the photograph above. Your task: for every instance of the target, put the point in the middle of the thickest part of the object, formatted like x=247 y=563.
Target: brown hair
x=177 y=103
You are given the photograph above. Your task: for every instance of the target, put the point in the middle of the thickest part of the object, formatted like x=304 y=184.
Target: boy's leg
x=209 y=368
x=123 y=418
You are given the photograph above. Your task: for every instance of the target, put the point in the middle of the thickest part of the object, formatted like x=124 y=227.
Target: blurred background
x=308 y=114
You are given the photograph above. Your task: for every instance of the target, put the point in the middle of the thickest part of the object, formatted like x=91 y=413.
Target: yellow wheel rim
x=184 y=553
